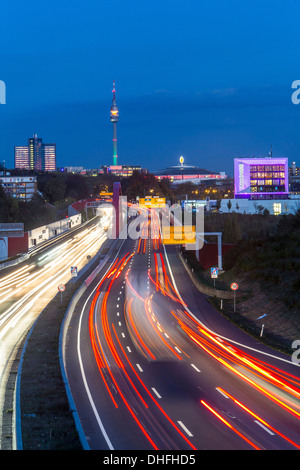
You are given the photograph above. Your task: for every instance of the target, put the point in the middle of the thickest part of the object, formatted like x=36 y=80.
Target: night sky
x=209 y=80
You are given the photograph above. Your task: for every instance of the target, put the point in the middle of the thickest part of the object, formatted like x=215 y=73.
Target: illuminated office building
x=49 y=157
x=22 y=157
x=261 y=178
x=36 y=155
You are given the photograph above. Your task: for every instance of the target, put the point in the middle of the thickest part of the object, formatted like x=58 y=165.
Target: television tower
x=114 y=117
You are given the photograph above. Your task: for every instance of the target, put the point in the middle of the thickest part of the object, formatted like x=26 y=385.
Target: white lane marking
x=139 y=368
x=213 y=332
x=177 y=349
x=185 y=428
x=123 y=335
x=196 y=368
x=156 y=392
x=120 y=324
x=264 y=427
x=100 y=424
x=128 y=349
x=222 y=393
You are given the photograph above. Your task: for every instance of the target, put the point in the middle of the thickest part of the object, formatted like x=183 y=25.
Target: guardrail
x=210 y=291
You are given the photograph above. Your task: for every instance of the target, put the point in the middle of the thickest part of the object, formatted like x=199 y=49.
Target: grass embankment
x=47 y=423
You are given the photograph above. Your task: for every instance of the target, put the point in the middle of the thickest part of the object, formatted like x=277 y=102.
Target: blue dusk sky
x=209 y=80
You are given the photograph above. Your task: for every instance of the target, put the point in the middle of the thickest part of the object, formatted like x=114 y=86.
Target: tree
x=13 y=209
x=77 y=187
x=187 y=188
x=140 y=184
x=260 y=208
x=54 y=189
x=232 y=230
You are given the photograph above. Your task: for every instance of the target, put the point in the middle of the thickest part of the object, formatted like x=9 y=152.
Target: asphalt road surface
x=152 y=365
x=27 y=288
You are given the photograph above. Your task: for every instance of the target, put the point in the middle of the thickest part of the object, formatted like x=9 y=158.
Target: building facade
x=261 y=178
x=20 y=187
x=254 y=206
x=186 y=173
x=36 y=155
x=22 y=157
x=49 y=157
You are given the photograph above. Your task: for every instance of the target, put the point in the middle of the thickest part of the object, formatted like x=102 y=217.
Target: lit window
x=277 y=208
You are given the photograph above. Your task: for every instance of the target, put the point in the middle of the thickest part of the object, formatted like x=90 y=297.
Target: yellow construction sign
x=178 y=234
x=151 y=202
x=105 y=193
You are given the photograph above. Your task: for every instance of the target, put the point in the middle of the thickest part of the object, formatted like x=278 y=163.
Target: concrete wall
x=3 y=248
x=45 y=232
x=13 y=246
x=286 y=206
x=17 y=245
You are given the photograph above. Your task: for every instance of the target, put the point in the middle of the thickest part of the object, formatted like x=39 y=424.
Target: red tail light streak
x=149 y=335
x=230 y=426
x=258 y=418
x=108 y=339
x=224 y=353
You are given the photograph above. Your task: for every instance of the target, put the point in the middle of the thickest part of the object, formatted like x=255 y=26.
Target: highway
x=152 y=365
x=28 y=287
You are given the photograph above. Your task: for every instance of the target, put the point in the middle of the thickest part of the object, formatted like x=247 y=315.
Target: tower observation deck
x=114 y=117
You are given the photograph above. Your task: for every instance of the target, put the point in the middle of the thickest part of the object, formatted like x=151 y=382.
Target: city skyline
x=201 y=85
x=36 y=155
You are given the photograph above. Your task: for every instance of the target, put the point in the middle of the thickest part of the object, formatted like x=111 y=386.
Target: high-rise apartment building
x=49 y=157
x=22 y=157
x=36 y=155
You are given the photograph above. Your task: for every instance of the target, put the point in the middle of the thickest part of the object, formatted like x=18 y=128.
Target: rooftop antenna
x=271 y=152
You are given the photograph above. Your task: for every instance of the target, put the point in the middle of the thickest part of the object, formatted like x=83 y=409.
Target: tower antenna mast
x=114 y=117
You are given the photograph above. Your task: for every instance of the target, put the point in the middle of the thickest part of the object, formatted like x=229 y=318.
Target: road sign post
x=214 y=274
x=61 y=288
x=234 y=286
x=74 y=271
